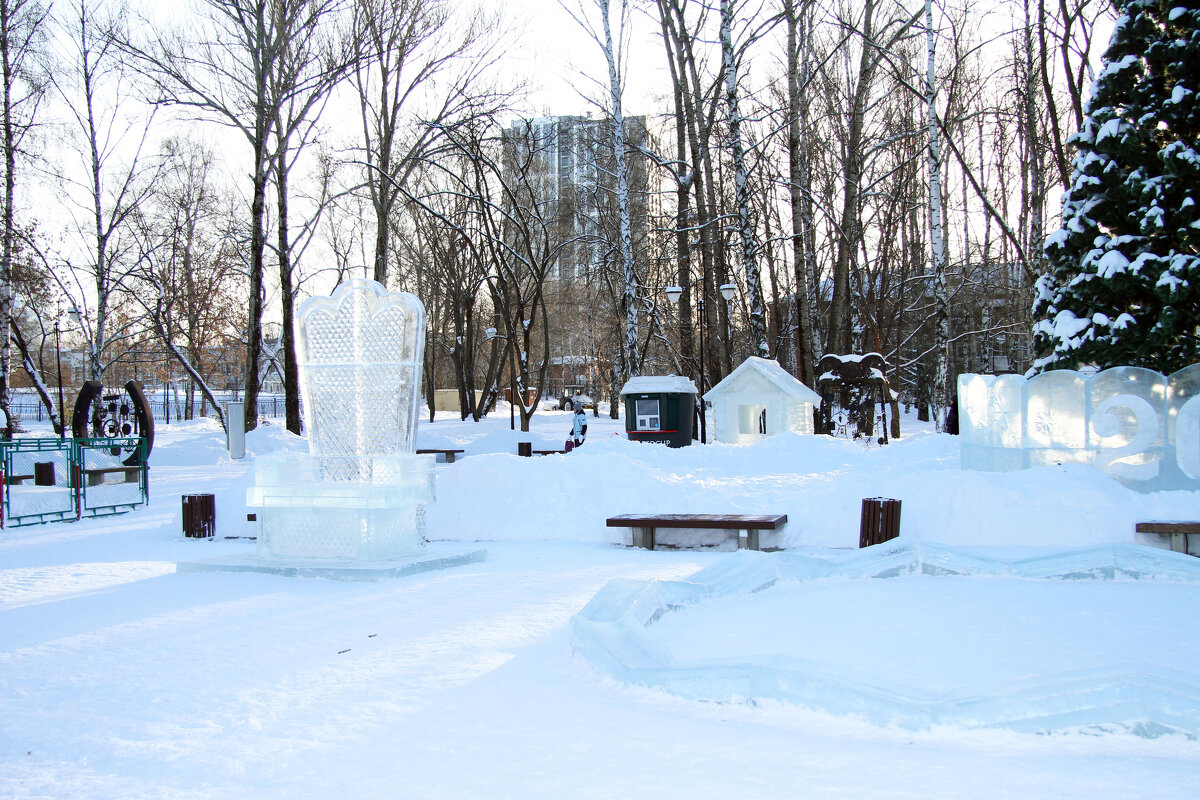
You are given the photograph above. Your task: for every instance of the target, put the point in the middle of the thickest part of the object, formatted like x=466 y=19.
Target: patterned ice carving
x=1134 y=424
x=359 y=353
x=360 y=491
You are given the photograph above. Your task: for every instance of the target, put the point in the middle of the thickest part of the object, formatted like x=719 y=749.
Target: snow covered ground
x=121 y=679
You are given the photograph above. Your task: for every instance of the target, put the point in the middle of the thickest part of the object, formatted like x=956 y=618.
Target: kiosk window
x=647 y=414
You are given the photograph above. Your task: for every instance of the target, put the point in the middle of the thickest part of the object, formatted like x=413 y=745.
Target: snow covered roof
x=654 y=384
x=770 y=370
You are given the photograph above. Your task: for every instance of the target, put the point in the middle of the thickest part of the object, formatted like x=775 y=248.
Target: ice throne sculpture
x=360 y=491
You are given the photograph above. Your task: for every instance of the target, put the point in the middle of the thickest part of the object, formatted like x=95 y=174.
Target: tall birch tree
x=23 y=28
x=747 y=255
x=613 y=48
x=936 y=234
x=799 y=19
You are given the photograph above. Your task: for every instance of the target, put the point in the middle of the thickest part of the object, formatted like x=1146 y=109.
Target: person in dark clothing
x=952 y=417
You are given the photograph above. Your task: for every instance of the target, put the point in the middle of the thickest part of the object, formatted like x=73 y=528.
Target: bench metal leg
x=643 y=537
x=449 y=458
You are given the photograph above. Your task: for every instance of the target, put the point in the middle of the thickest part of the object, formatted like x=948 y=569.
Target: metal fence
x=164 y=411
x=50 y=479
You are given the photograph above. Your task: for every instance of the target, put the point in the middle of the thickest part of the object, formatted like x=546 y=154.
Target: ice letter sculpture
x=359 y=492
x=1137 y=425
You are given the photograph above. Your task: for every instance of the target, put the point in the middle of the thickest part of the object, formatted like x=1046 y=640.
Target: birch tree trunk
x=758 y=320
x=936 y=232
x=799 y=52
x=629 y=300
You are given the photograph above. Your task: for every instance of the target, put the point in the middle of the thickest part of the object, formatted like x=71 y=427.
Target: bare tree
x=227 y=67
x=800 y=23
x=23 y=25
x=191 y=280
x=410 y=49
x=937 y=238
x=731 y=55
x=105 y=194
x=310 y=67
x=614 y=50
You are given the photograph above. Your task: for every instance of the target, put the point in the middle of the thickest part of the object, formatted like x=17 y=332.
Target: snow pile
x=818 y=481
x=122 y=677
x=1070 y=650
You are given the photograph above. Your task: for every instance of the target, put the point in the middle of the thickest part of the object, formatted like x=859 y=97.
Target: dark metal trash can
x=199 y=516
x=880 y=521
x=525 y=449
x=43 y=473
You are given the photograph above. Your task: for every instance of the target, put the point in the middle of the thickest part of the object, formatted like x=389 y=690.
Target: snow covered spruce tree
x=1124 y=280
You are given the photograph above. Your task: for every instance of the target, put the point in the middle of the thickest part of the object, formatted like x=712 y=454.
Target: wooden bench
x=747 y=526
x=447 y=453
x=95 y=477
x=1178 y=531
x=525 y=450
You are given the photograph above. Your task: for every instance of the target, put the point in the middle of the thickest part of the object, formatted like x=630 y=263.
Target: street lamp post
x=512 y=382
x=62 y=414
x=75 y=317
x=727 y=290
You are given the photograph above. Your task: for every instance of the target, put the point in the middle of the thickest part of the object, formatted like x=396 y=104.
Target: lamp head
x=673 y=294
x=727 y=290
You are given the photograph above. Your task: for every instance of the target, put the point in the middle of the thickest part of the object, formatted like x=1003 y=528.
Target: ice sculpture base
x=625 y=631
x=436 y=556
x=349 y=520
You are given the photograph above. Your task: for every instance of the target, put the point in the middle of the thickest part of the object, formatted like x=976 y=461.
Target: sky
x=564 y=62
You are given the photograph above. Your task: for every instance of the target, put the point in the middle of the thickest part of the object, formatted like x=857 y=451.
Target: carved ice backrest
x=360 y=353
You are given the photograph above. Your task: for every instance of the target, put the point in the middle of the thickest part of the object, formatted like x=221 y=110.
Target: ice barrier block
x=1134 y=424
x=360 y=491
x=615 y=632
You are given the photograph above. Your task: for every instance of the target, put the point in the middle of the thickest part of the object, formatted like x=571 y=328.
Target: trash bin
x=880 y=521
x=199 y=516
x=43 y=473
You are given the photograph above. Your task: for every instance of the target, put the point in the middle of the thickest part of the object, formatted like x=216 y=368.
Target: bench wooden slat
x=1168 y=527
x=1179 y=533
x=743 y=522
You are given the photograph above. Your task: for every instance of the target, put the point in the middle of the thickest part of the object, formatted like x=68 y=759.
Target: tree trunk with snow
x=749 y=264
x=799 y=38
x=936 y=233
x=612 y=54
x=21 y=27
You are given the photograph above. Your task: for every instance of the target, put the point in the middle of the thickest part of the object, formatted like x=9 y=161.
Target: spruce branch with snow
x=1124 y=280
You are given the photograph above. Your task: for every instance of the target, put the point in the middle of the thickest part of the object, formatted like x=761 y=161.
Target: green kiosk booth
x=659 y=408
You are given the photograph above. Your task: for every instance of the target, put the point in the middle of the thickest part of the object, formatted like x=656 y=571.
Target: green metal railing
x=49 y=480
